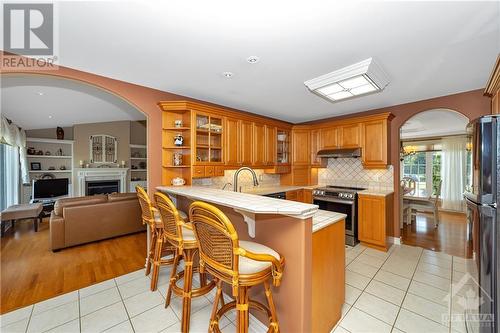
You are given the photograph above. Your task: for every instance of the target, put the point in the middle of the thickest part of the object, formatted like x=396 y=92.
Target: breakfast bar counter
x=311 y=240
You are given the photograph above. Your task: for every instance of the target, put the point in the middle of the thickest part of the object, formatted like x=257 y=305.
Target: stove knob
x=341 y=195
x=351 y=196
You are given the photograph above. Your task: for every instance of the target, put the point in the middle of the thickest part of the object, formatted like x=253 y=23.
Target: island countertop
x=245 y=202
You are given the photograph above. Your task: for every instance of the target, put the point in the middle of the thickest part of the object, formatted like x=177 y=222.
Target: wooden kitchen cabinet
x=246 y=143
x=208 y=135
x=375 y=144
x=283 y=146
x=300 y=147
x=198 y=171
x=271 y=143
x=307 y=196
x=492 y=88
x=292 y=195
x=375 y=220
x=349 y=136
x=259 y=144
x=329 y=138
x=315 y=143
x=232 y=146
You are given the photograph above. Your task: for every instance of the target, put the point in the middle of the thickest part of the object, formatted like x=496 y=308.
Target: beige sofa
x=82 y=220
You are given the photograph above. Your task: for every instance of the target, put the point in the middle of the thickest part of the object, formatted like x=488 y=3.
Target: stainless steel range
x=343 y=200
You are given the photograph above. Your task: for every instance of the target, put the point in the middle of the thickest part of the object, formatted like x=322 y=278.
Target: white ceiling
x=428 y=49
x=62 y=103
x=434 y=123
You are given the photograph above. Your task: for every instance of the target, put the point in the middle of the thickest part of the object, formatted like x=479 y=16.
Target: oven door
x=346 y=207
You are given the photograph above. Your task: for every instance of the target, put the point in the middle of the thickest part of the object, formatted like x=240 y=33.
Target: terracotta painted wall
x=471 y=104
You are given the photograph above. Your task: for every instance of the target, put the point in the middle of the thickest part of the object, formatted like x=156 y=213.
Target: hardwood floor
x=449 y=237
x=31 y=272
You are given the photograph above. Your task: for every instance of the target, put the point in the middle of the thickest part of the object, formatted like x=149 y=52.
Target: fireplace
x=94 y=187
x=100 y=180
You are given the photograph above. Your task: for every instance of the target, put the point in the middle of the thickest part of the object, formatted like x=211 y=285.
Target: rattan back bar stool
x=181 y=236
x=157 y=248
x=241 y=264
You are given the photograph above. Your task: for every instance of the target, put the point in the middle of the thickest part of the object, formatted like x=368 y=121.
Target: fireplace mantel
x=92 y=174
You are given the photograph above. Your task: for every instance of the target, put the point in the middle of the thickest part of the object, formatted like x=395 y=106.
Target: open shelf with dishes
x=48 y=158
x=176 y=144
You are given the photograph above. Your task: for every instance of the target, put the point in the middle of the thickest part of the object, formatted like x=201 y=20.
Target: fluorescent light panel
x=359 y=79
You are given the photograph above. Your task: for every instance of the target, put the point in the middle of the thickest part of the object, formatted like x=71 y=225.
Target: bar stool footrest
x=232 y=305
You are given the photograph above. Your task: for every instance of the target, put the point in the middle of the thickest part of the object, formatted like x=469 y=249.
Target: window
x=425 y=169
x=9 y=177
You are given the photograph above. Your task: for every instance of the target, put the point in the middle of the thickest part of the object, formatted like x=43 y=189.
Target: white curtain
x=10 y=183
x=453 y=168
x=13 y=136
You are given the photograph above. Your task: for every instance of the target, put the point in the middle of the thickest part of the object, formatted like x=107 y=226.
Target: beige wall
x=138 y=132
x=50 y=133
x=82 y=132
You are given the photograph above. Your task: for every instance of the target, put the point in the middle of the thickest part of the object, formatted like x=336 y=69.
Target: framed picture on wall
x=36 y=166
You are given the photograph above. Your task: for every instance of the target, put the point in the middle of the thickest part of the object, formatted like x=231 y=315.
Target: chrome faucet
x=224 y=187
x=237 y=173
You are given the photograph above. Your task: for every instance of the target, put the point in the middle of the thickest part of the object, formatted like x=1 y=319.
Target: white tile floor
x=404 y=290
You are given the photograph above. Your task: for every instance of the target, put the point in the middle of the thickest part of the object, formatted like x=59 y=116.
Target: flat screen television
x=50 y=188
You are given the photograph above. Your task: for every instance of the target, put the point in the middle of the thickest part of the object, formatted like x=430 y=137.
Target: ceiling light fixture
x=362 y=78
x=227 y=75
x=40 y=93
x=50 y=117
x=253 y=59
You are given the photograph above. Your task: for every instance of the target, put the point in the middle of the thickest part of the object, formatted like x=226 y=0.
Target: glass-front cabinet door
x=208 y=142
x=283 y=146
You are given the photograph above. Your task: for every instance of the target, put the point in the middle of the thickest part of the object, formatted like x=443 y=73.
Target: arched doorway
x=434 y=166
x=39 y=103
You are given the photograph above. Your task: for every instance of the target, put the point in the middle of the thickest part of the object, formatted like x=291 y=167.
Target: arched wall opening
x=141 y=98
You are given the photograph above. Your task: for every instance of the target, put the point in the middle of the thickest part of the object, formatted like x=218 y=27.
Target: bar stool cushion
x=188 y=234
x=158 y=217
x=250 y=266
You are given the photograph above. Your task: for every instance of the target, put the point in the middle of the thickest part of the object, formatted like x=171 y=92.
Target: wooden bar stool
x=157 y=248
x=241 y=264
x=181 y=236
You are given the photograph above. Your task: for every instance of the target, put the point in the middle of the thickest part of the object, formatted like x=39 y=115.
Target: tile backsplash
x=350 y=172
x=244 y=180
x=341 y=171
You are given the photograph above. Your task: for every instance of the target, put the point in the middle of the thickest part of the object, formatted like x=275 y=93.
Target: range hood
x=340 y=153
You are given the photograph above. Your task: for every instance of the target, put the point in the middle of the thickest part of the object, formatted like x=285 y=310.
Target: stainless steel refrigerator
x=482 y=195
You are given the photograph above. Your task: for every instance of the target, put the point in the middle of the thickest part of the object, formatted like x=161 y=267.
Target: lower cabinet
x=375 y=222
x=302 y=195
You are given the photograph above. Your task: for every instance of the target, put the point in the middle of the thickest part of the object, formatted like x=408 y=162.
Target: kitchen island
x=312 y=241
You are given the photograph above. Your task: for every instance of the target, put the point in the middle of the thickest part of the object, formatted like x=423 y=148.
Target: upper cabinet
x=349 y=136
x=375 y=154
x=232 y=139
x=270 y=145
x=315 y=143
x=301 y=147
x=329 y=138
x=259 y=144
x=493 y=88
x=208 y=138
x=283 y=147
x=246 y=142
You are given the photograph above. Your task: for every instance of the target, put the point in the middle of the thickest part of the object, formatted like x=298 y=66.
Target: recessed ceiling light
x=50 y=117
x=227 y=75
x=253 y=59
x=40 y=93
x=362 y=78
